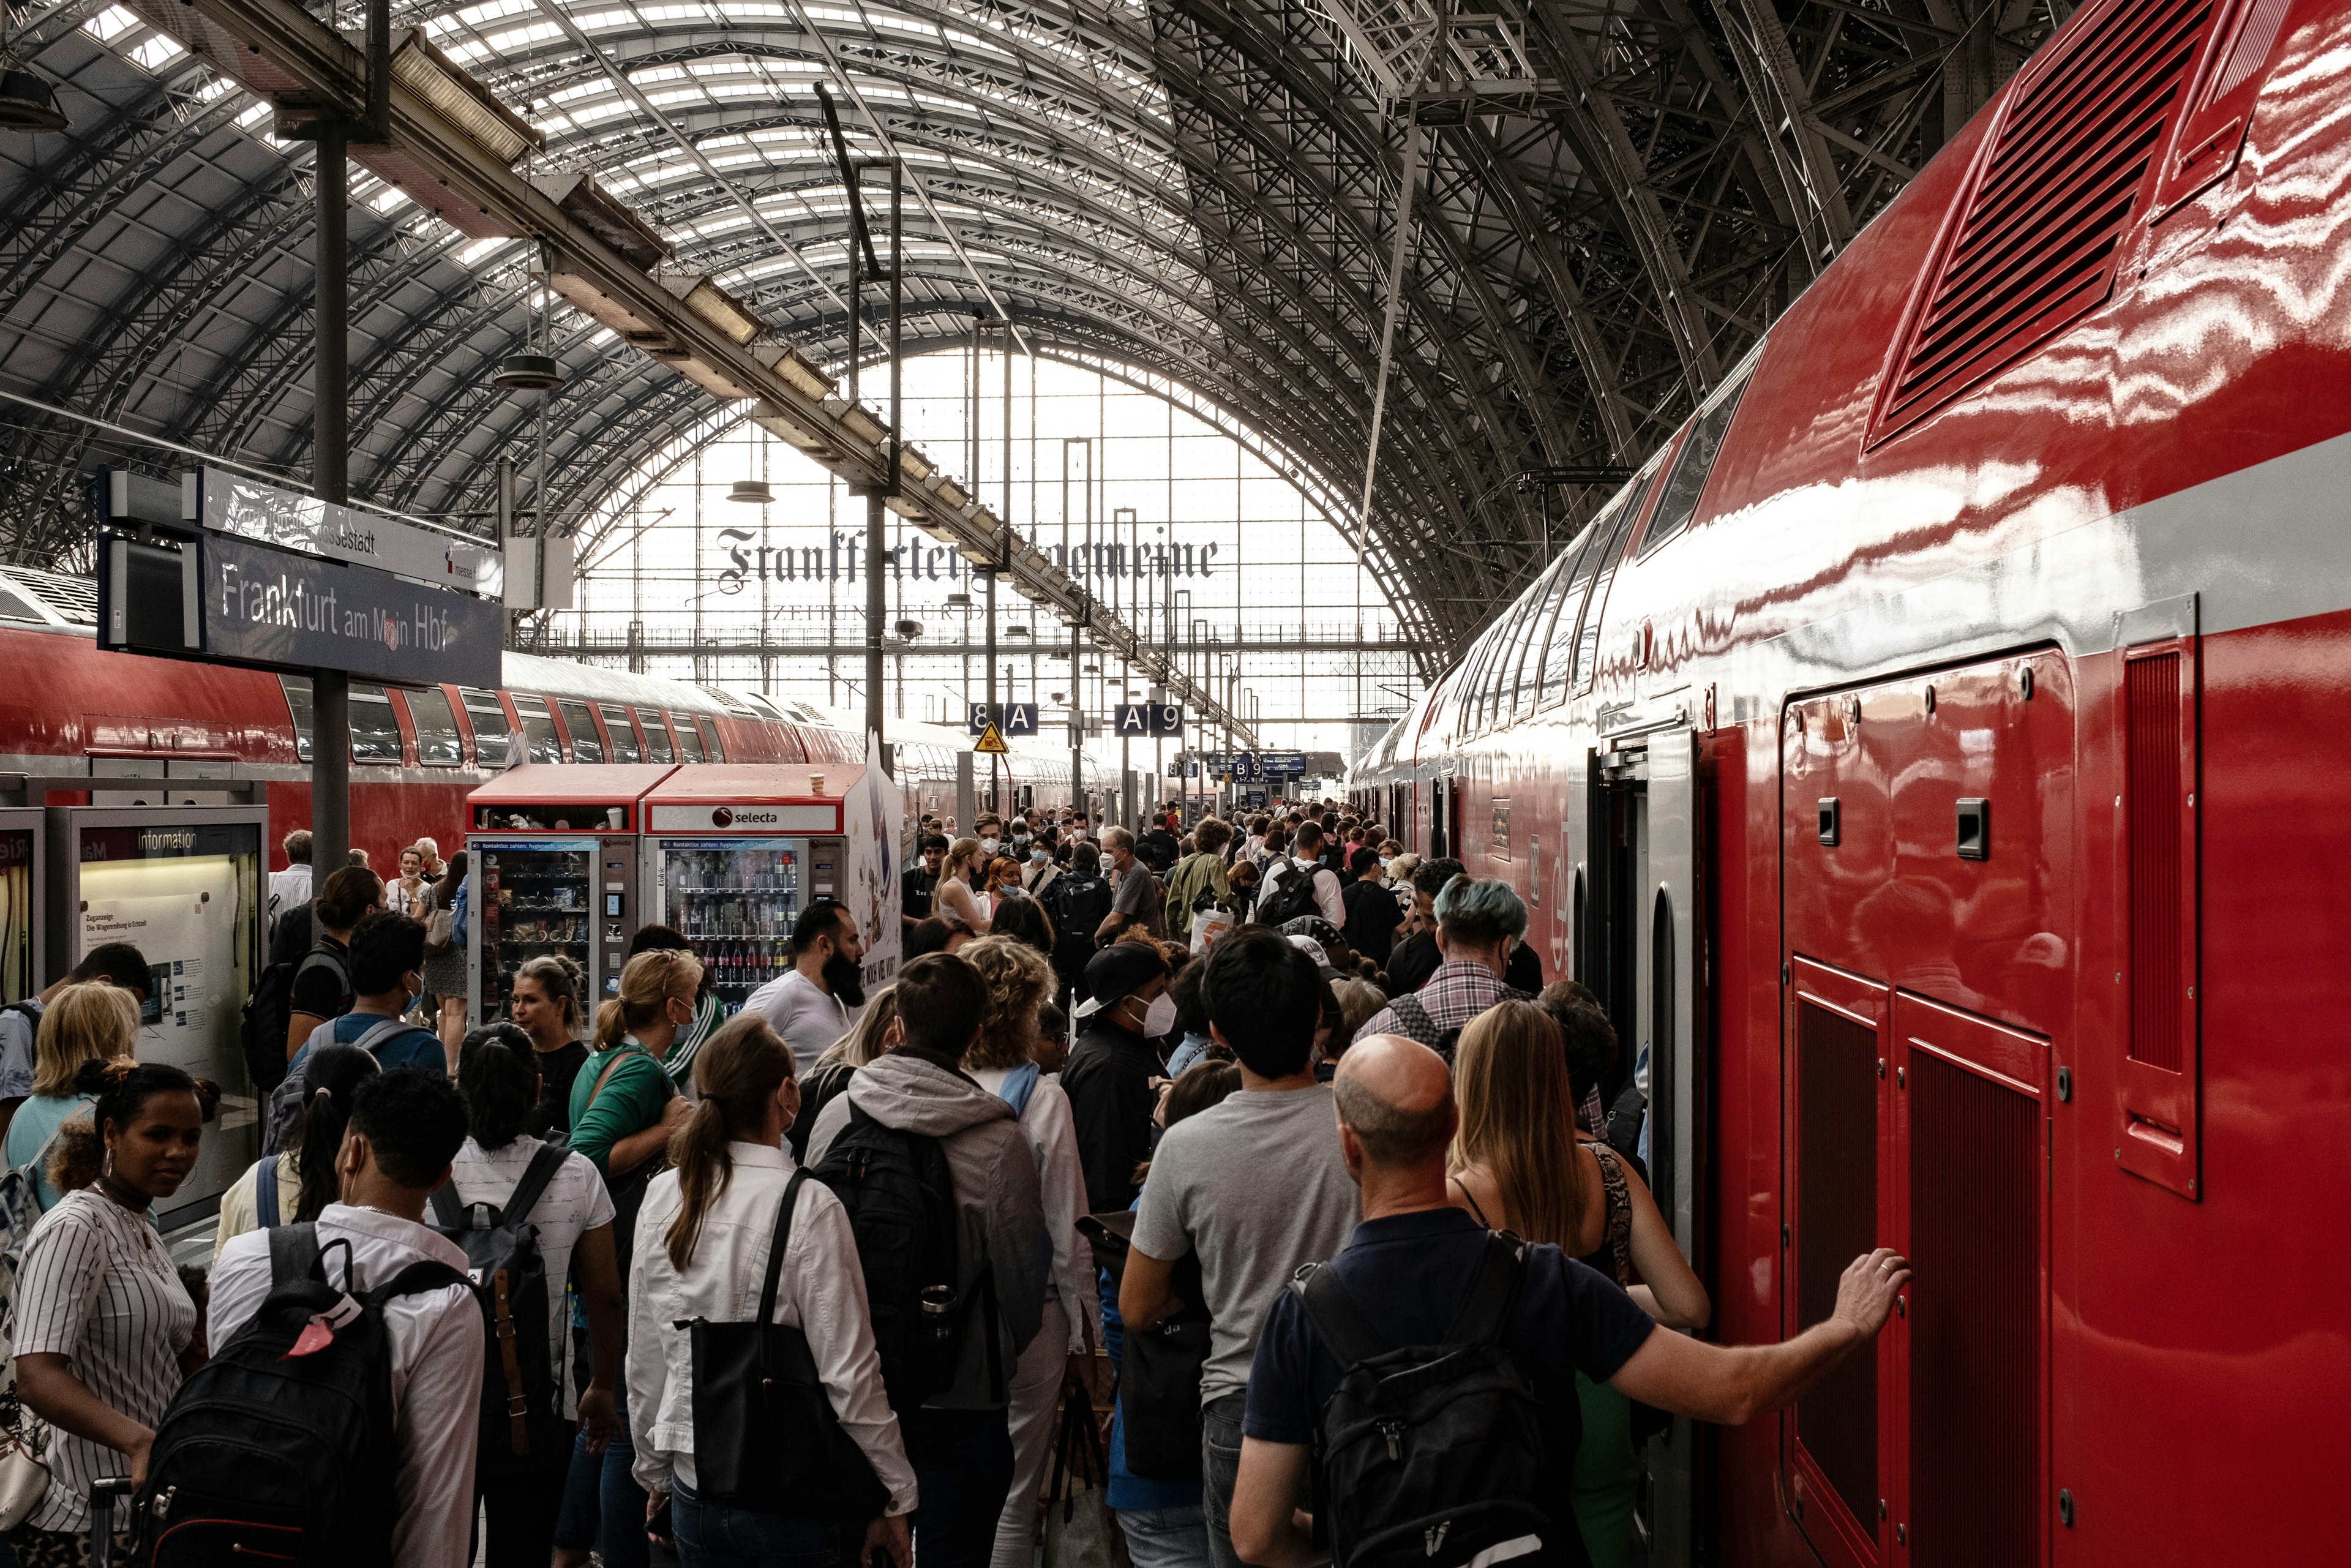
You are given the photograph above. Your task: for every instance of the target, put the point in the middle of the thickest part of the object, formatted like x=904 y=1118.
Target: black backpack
x=521 y=1426
x=1081 y=904
x=902 y=1209
x=1430 y=1455
x=269 y=1456
x=1294 y=897
x=262 y=1035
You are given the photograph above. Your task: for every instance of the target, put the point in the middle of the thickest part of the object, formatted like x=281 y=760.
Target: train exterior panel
x=1949 y=801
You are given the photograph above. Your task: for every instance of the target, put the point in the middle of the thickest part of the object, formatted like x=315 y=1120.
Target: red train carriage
x=1928 y=759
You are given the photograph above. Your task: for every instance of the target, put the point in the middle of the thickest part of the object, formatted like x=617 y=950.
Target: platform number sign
x=1012 y=718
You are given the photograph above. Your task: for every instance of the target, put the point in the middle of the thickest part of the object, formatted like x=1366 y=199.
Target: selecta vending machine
x=733 y=853
x=552 y=852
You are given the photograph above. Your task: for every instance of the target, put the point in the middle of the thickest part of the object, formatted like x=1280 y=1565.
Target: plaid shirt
x=1456 y=993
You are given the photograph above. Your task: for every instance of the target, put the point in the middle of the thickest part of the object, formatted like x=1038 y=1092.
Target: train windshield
x=656 y=735
x=437 y=745
x=623 y=734
x=493 y=736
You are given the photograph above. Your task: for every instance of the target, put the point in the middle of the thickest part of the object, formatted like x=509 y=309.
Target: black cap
x=1118 y=970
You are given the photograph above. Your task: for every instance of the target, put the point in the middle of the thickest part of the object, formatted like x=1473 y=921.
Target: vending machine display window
x=20 y=924
x=537 y=899
x=735 y=901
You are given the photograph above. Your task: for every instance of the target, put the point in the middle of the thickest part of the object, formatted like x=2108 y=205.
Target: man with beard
x=812 y=1003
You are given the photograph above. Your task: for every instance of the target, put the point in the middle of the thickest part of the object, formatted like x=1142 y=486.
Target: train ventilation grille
x=2045 y=222
x=73 y=599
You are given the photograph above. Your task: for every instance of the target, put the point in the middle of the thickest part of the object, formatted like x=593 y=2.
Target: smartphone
x=659 y=1526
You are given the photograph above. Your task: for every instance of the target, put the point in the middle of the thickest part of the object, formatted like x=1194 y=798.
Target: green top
x=1191 y=875
x=631 y=1101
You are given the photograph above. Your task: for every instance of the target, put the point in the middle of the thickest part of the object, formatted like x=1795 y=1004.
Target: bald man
x=1412 y=1263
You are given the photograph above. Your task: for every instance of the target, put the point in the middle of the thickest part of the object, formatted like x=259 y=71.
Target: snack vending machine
x=553 y=849
x=185 y=885
x=23 y=934
x=733 y=853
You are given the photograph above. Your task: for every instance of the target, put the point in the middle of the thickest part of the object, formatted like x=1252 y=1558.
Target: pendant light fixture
x=534 y=370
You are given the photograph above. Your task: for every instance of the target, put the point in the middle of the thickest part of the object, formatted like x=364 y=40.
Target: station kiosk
x=552 y=852
x=732 y=854
x=185 y=885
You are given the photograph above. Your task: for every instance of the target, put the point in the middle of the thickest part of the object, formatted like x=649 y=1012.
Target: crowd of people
x=1237 y=1122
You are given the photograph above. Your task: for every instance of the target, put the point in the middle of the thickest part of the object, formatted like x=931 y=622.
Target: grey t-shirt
x=1141 y=899
x=1257 y=1186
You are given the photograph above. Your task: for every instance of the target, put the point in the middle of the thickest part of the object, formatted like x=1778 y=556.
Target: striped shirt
x=98 y=1288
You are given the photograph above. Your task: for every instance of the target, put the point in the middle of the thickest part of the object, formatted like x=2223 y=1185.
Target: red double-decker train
x=1935 y=759
x=131 y=725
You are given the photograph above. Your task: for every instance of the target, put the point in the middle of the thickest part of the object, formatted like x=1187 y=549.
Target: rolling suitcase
x=104 y=1493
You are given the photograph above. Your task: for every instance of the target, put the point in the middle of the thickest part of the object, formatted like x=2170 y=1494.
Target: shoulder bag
x=627 y=1190
x=765 y=1439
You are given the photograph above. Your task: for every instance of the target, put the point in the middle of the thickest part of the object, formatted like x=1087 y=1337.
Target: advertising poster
x=871 y=820
x=181 y=915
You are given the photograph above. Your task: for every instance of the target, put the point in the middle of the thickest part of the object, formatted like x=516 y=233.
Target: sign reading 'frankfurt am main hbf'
x=266 y=606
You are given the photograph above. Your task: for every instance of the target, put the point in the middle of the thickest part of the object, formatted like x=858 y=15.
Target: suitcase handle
x=102 y=1493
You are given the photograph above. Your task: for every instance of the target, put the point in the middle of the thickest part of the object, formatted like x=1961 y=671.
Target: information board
x=263 y=606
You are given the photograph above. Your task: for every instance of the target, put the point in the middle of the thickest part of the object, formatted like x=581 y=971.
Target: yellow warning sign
x=990 y=740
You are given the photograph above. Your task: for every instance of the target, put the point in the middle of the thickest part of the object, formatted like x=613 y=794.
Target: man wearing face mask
x=1109 y=1072
x=1038 y=871
x=387 y=965
x=813 y=1003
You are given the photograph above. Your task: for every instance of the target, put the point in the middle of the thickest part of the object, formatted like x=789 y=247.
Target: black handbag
x=1160 y=1369
x=765 y=1436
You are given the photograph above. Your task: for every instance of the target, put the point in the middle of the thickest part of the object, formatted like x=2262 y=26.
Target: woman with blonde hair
x=716 y=1212
x=831 y=1074
x=1020 y=982
x=89 y=1022
x=960 y=873
x=1518 y=1165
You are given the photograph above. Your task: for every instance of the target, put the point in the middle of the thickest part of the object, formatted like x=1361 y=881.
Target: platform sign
x=1246 y=769
x=1009 y=718
x=1019 y=718
x=1166 y=718
x=1129 y=720
x=263 y=606
x=1279 y=764
x=264 y=514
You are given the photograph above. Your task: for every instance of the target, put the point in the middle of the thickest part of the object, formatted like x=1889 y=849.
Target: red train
x=69 y=709
x=1935 y=759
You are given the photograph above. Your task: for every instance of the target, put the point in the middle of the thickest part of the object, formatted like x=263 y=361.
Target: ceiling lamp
x=751 y=492
x=529 y=373
x=1016 y=632
x=908 y=630
x=27 y=103
x=958 y=601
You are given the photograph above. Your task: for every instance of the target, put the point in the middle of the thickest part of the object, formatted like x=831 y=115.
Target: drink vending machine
x=185 y=885
x=733 y=853
x=552 y=852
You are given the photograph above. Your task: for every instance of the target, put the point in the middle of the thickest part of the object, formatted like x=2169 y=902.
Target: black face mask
x=845 y=979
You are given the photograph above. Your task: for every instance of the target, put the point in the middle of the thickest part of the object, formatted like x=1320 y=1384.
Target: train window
x=437 y=745
x=657 y=745
x=493 y=736
x=689 y=740
x=375 y=733
x=586 y=745
x=539 y=741
x=710 y=741
x=1677 y=503
x=1526 y=661
x=297 y=705
x=622 y=733
x=1607 y=547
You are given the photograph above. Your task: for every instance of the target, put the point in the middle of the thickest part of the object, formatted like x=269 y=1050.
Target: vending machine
x=552 y=852
x=185 y=885
x=733 y=853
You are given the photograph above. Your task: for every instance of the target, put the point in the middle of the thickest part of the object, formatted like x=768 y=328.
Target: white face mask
x=1159 y=1018
x=987 y=846
x=1039 y=855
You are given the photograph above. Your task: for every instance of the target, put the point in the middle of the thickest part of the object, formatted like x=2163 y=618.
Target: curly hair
x=1018 y=982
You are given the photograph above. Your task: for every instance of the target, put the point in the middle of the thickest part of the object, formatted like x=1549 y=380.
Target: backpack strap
x=417 y=1278
x=1348 y=1335
x=264 y=1192
x=775 y=1249
x=293 y=1252
x=1492 y=1298
x=1018 y=1085
x=376 y=1035
x=536 y=1176
x=448 y=1209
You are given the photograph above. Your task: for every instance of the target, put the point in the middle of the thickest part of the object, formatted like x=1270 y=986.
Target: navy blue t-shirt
x=1407 y=1274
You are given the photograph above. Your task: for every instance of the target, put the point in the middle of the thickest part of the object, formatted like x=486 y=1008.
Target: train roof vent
x=2042 y=230
x=73 y=599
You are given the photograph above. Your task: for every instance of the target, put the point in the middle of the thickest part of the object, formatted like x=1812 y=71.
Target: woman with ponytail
x=623 y=1109
x=104 y=1329
x=497 y=1073
x=302 y=1178
x=708 y=1225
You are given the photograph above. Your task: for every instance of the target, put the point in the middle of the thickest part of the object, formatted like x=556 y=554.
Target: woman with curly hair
x=1020 y=983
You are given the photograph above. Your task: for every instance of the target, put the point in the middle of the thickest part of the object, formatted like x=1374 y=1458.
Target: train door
x=1440 y=822
x=1931 y=926
x=1666 y=1003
